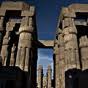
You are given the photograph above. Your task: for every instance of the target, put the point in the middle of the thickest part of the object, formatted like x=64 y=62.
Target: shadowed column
x=12 y=58
x=1 y=30
x=5 y=44
x=84 y=52
x=24 y=45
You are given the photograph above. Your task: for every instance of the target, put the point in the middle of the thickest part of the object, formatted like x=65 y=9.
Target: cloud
x=45 y=51
x=48 y=53
x=45 y=58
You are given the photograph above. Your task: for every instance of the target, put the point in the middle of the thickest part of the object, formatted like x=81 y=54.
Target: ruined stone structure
x=17 y=36
x=44 y=81
x=70 y=47
x=40 y=77
x=19 y=44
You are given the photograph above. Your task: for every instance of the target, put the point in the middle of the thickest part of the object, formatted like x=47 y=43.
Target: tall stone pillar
x=71 y=44
x=59 y=61
x=5 y=44
x=84 y=52
x=24 y=45
x=49 y=77
x=12 y=58
x=44 y=81
x=40 y=77
x=56 y=66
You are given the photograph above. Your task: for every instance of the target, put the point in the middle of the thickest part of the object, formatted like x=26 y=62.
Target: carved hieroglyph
x=71 y=45
x=24 y=46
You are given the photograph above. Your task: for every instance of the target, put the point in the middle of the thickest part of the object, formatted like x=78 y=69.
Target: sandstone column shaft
x=59 y=61
x=5 y=44
x=24 y=45
x=71 y=45
x=49 y=76
x=40 y=77
x=84 y=52
x=12 y=58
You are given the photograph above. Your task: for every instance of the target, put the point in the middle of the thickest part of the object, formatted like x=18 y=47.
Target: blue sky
x=47 y=13
x=45 y=58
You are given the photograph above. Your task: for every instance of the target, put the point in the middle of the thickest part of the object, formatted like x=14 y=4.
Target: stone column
x=40 y=77
x=56 y=66
x=71 y=44
x=5 y=44
x=12 y=58
x=49 y=77
x=44 y=81
x=84 y=52
x=59 y=61
x=24 y=45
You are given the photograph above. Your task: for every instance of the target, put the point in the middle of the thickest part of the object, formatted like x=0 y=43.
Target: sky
x=47 y=13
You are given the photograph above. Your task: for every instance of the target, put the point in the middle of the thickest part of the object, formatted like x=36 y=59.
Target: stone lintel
x=79 y=7
x=12 y=5
x=71 y=10
x=45 y=44
x=27 y=9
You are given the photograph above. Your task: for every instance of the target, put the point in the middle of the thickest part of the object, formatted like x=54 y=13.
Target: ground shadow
x=12 y=77
x=75 y=78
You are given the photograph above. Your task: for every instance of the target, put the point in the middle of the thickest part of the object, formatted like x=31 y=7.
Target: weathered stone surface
x=11 y=5
x=17 y=25
x=25 y=39
x=79 y=7
x=29 y=12
x=1 y=23
x=49 y=75
x=12 y=58
x=44 y=81
x=70 y=40
x=66 y=12
x=45 y=43
x=70 y=46
x=18 y=41
x=5 y=44
x=84 y=51
x=40 y=76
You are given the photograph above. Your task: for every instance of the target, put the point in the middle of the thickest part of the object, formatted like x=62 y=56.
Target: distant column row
x=44 y=81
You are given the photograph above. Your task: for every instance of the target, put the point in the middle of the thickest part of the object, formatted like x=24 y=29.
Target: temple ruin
x=19 y=43
x=71 y=48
